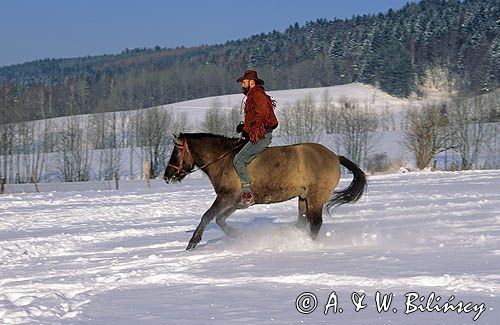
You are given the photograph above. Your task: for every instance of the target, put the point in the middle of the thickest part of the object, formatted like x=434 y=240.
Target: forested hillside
x=452 y=45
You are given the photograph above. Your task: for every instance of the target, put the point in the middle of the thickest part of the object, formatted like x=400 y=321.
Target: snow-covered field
x=117 y=257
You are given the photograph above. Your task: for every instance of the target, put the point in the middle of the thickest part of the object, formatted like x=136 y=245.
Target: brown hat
x=251 y=74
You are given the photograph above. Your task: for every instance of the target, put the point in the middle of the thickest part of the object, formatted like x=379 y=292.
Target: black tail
x=354 y=191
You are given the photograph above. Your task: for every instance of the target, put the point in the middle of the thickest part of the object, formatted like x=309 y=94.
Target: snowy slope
x=362 y=93
x=357 y=91
x=117 y=257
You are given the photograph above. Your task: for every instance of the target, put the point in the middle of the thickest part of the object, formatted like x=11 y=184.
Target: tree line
x=464 y=132
x=461 y=128
x=84 y=147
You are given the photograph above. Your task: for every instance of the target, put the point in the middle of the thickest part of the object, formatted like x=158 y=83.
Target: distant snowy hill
x=360 y=92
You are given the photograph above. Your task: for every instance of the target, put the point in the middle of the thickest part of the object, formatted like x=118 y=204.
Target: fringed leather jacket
x=259 y=114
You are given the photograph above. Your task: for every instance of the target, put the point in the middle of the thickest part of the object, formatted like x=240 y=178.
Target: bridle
x=184 y=153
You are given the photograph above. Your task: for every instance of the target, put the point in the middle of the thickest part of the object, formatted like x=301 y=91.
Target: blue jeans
x=243 y=158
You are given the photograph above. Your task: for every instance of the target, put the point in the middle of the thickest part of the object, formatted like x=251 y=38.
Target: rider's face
x=245 y=86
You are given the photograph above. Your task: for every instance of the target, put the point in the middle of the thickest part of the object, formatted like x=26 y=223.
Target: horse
x=308 y=171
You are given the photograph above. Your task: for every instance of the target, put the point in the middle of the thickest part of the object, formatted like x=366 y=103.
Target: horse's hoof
x=300 y=225
x=191 y=246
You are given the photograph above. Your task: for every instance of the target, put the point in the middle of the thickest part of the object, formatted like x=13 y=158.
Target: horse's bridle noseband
x=184 y=152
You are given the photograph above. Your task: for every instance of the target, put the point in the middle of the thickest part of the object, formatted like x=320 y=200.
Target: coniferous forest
x=454 y=42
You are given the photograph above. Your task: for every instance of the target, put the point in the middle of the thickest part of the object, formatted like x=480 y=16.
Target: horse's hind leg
x=315 y=216
x=316 y=221
x=302 y=218
x=221 y=221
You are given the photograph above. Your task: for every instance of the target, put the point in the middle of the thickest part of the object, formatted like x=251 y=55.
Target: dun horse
x=308 y=171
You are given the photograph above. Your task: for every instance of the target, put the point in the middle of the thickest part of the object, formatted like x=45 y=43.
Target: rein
x=184 y=151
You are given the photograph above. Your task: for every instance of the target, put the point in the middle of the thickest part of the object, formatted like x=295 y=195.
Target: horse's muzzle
x=166 y=179
x=172 y=179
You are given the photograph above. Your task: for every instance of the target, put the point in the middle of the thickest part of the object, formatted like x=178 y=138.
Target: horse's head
x=181 y=161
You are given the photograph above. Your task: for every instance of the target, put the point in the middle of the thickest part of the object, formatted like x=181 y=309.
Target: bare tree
x=469 y=128
x=31 y=147
x=75 y=147
x=425 y=133
x=219 y=120
x=113 y=152
x=47 y=142
x=7 y=142
x=388 y=122
x=493 y=146
x=109 y=142
x=131 y=135
x=137 y=152
x=233 y=117
x=357 y=125
x=98 y=125
x=181 y=122
x=301 y=122
x=155 y=126
x=214 y=118
x=330 y=113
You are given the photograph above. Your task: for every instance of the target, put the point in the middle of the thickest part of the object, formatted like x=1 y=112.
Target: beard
x=245 y=90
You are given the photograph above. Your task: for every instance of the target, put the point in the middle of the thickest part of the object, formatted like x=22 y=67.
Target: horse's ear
x=177 y=139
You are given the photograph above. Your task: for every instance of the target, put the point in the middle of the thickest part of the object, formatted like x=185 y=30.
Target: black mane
x=218 y=139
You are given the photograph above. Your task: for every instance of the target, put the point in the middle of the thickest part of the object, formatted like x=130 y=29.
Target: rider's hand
x=239 y=127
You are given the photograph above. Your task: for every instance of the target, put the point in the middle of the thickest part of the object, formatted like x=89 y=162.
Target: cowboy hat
x=251 y=74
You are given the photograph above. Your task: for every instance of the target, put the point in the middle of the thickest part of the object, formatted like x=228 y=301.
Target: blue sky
x=38 y=29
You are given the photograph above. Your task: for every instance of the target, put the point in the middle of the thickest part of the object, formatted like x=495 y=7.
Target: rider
x=259 y=123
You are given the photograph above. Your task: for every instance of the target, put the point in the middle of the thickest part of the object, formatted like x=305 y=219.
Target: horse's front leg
x=218 y=207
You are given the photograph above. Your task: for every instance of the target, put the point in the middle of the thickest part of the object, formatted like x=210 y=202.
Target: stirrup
x=246 y=200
